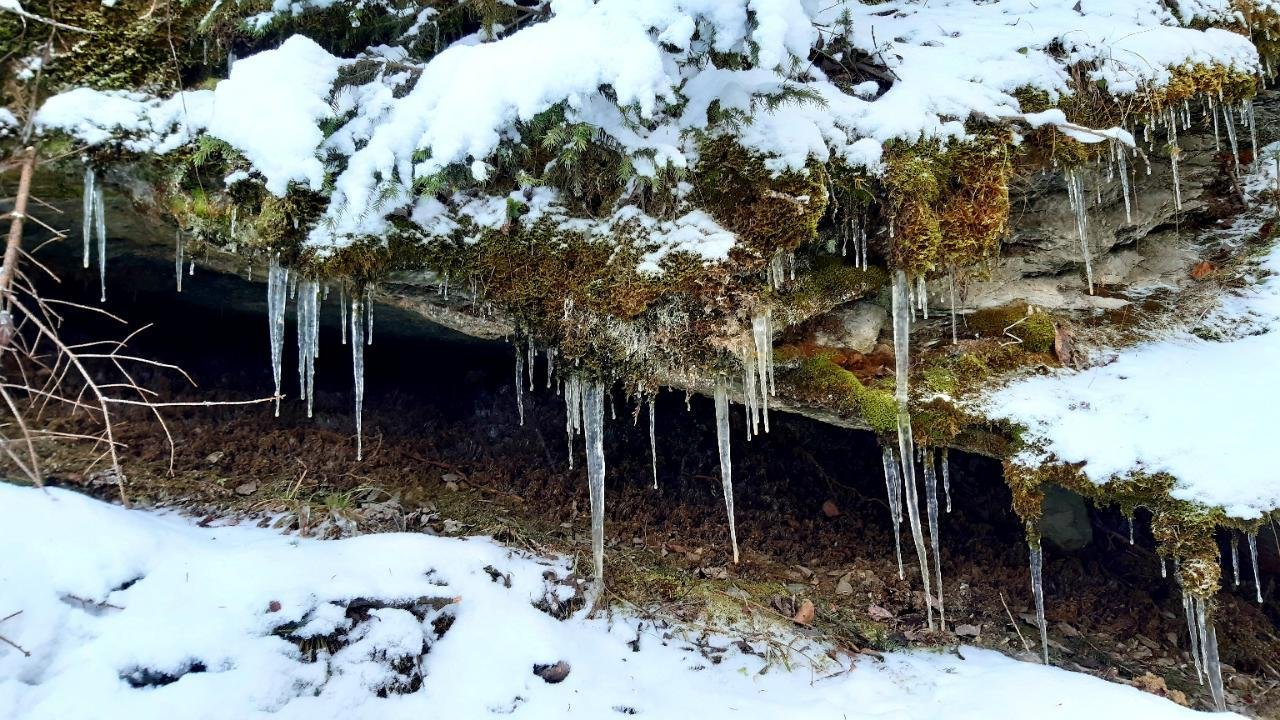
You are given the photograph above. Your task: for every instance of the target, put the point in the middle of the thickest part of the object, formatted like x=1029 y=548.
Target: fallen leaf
x=830 y=510
x=273 y=606
x=1201 y=269
x=804 y=616
x=878 y=613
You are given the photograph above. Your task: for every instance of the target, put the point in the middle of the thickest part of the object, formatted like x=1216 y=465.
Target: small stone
x=806 y=613
x=273 y=606
x=853 y=327
x=553 y=673
x=1067 y=630
x=844 y=587
x=214 y=457
x=966 y=630
x=246 y=489
x=830 y=509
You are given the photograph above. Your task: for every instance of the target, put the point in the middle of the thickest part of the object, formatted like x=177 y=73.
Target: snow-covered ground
x=1195 y=408
x=109 y=599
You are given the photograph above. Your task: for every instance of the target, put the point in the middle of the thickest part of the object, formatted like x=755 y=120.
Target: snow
x=1190 y=407
x=270 y=109
x=206 y=595
x=146 y=124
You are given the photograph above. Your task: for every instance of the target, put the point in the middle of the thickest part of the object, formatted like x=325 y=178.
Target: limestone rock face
x=856 y=326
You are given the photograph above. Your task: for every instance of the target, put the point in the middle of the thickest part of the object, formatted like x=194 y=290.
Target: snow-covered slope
x=107 y=599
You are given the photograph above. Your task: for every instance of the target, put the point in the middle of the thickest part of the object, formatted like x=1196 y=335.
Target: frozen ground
x=1195 y=404
x=135 y=615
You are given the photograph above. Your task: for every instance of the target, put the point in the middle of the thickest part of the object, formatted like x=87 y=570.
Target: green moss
x=817 y=379
x=1035 y=329
x=940 y=380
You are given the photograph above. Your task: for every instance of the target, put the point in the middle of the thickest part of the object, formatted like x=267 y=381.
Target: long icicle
x=100 y=229
x=90 y=203
x=726 y=463
x=902 y=312
x=1253 y=555
x=931 y=505
x=946 y=476
x=1078 y=203
x=177 y=259
x=1037 y=591
x=653 y=443
x=357 y=367
x=893 y=488
x=520 y=382
x=277 y=299
x=593 y=426
x=308 y=339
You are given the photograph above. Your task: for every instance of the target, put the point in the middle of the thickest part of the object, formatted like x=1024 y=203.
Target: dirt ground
x=445 y=453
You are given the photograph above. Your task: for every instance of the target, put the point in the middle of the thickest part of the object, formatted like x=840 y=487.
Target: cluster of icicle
x=1118 y=165
x=1204 y=643
x=584 y=400
x=94 y=225
x=308 y=295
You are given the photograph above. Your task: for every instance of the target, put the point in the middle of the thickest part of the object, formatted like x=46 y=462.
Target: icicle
x=308 y=339
x=893 y=487
x=653 y=443
x=234 y=213
x=931 y=504
x=1175 y=154
x=357 y=366
x=177 y=259
x=750 y=390
x=922 y=296
x=1235 y=558
x=1252 y=120
x=592 y=418
x=191 y=269
x=1212 y=664
x=342 y=309
x=946 y=476
x=1122 y=166
x=1130 y=530
x=1230 y=121
x=762 y=334
x=368 y=309
x=531 y=362
x=1037 y=591
x=277 y=300
x=1075 y=197
x=520 y=383
x=572 y=410
x=90 y=205
x=906 y=450
x=100 y=229
x=1164 y=569
x=726 y=463
x=1253 y=555
x=551 y=365
x=1188 y=607
x=1217 y=133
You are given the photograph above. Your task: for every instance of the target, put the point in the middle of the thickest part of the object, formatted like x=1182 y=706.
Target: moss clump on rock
x=769 y=212
x=948 y=205
x=819 y=380
x=1035 y=329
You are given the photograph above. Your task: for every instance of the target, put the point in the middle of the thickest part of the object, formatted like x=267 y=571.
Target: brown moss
x=770 y=213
